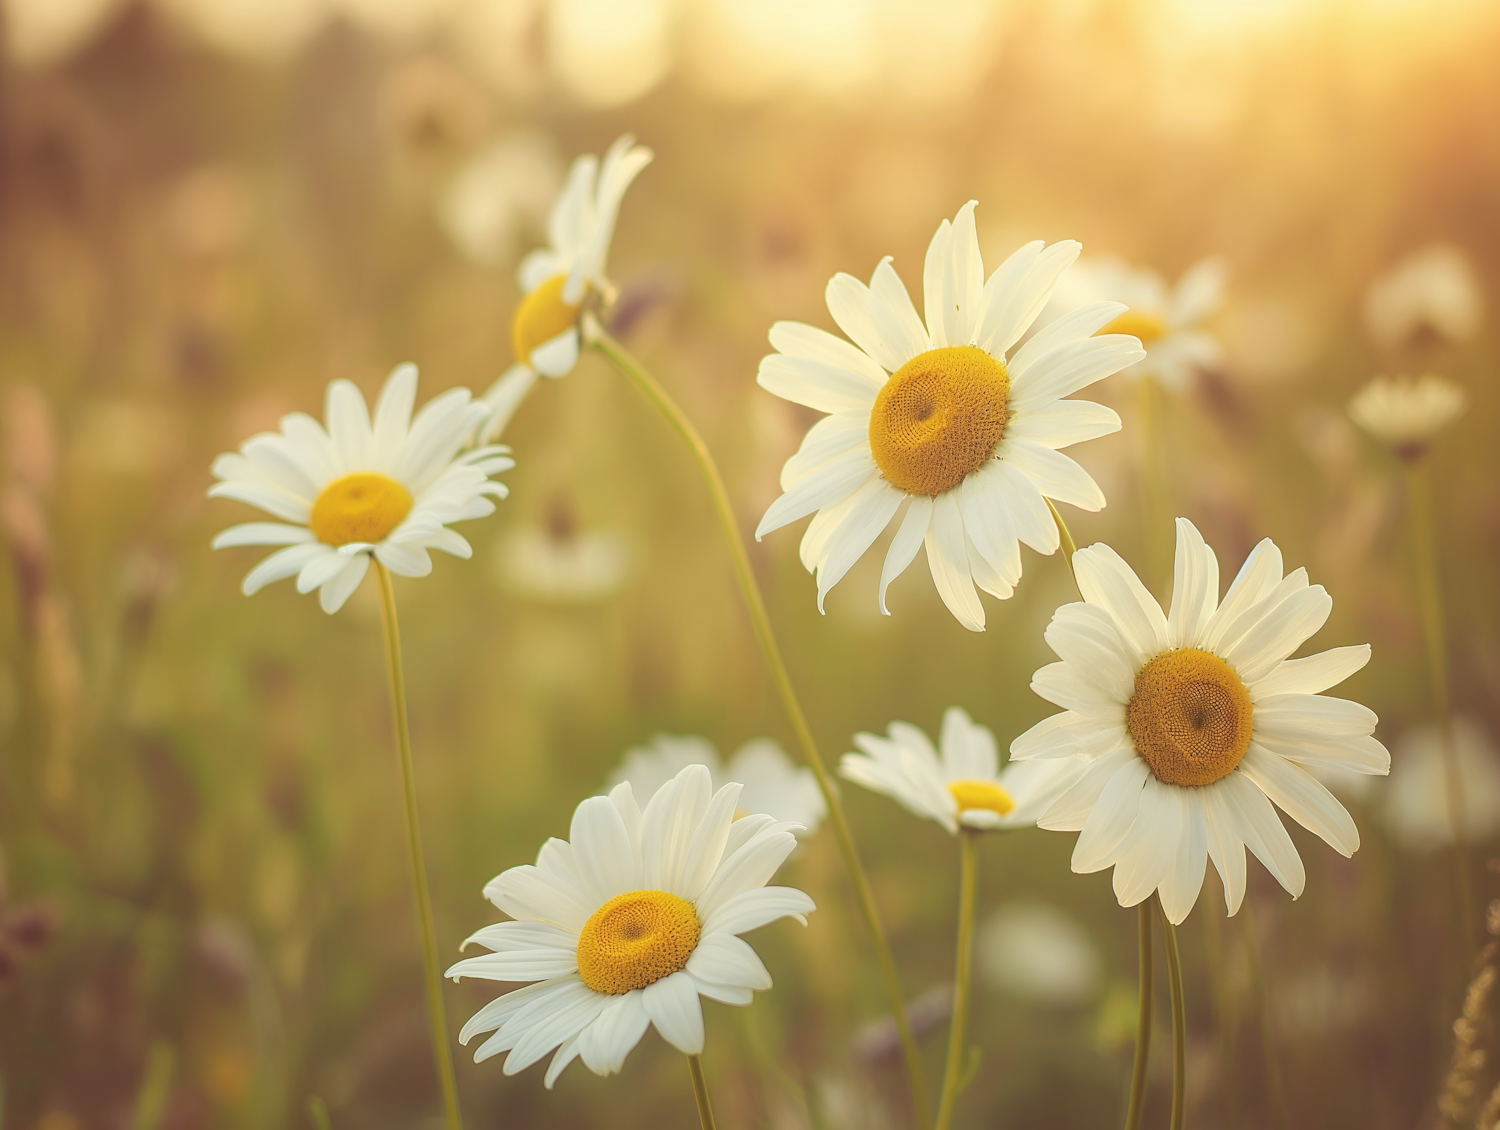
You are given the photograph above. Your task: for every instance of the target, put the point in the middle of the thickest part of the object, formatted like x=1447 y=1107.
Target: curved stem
x=760 y=622
x=968 y=871
x=1179 y=1016
x=432 y=981
x=700 y=1093
x=1069 y=547
x=1137 y=1102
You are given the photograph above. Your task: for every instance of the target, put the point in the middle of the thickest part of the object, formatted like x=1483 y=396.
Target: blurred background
x=211 y=208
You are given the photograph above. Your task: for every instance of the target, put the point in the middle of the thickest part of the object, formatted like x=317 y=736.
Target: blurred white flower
x=1416 y=803
x=265 y=29
x=1407 y=414
x=498 y=194
x=1432 y=293
x=773 y=786
x=1167 y=320
x=1038 y=952
x=610 y=52
x=557 y=562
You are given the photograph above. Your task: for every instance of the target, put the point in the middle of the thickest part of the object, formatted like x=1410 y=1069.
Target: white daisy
x=1432 y=294
x=1407 y=414
x=1416 y=803
x=559 y=563
x=964 y=787
x=1037 y=951
x=556 y=279
x=1192 y=722
x=772 y=785
x=627 y=924
x=1167 y=320
x=389 y=488
x=938 y=417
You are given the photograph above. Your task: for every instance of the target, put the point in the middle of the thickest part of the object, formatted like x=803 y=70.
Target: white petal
x=934 y=286
x=1225 y=847
x=1302 y=797
x=668 y=824
x=1256 y=823
x=1184 y=879
x=404 y=560
x=672 y=1004
x=1071 y=811
x=1017 y=291
x=602 y=849
x=817 y=384
x=849 y=303
x=988 y=522
x=1311 y=675
x=947 y=557
x=969 y=751
x=1085 y=637
x=1260 y=573
x=830 y=439
x=531 y=894
x=504 y=397
x=1195 y=587
x=798 y=340
x=726 y=960
x=753 y=909
x=283 y=563
x=340 y=588
x=1033 y=522
x=832 y=483
x=745 y=869
x=1153 y=842
x=1071 y=367
x=1294 y=717
x=871 y=509
x=556 y=356
x=1063 y=423
x=321 y=569
x=273 y=500
x=909 y=538
x=348 y=423
x=1105 y=580
x=393 y=414
x=895 y=317
x=1068 y=735
x=1077 y=325
x=1111 y=820
x=262 y=533
x=1062 y=685
x=1282 y=632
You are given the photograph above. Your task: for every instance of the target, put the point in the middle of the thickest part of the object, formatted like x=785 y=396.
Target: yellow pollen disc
x=1138 y=323
x=541 y=316
x=364 y=506
x=981 y=794
x=1189 y=716
x=636 y=939
x=938 y=418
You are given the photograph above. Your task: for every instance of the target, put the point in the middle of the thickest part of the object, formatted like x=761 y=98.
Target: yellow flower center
x=938 y=418
x=1189 y=716
x=1138 y=323
x=541 y=316
x=636 y=939
x=987 y=795
x=364 y=506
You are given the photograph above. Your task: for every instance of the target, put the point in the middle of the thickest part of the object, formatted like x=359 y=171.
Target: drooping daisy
x=1168 y=320
x=1191 y=723
x=387 y=488
x=1416 y=803
x=962 y=787
x=627 y=923
x=1431 y=295
x=1407 y=414
x=772 y=785
x=937 y=417
x=555 y=280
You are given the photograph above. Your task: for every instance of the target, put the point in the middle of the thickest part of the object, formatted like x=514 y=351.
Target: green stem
x=1430 y=598
x=1069 y=547
x=700 y=1093
x=1137 y=1102
x=1179 y=1016
x=760 y=622
x=432 y=981
x=962 y=966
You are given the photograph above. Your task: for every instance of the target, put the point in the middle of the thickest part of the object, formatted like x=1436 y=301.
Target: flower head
x=962 y=787
x=555 y=280
x=1408 y=414
x=942 y=418
x=1192 y=722
x=627 y=923
x=387 y=488
x=772 y=785
x=1432 y=294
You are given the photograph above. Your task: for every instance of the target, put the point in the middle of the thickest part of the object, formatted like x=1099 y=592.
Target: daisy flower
x=1431 y=295
x=942 y=418
x=627 y=923
x=387 y=488
x=1168 y=320
x=962 y=787
x=1407 y=414
x=1416 y=803
x=772 y=785
x=555 y=280
x=1191 y=723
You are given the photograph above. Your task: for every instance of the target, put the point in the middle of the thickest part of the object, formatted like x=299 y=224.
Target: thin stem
x=1430 y=597
x=1137 y=1104
x=1179 y=1016
x=432 y=980
x=760 y=622
x=700 y=1093
x=968 y=871
x=1069 y=547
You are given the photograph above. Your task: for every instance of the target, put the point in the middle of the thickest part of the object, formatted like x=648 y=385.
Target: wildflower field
x=793 y=564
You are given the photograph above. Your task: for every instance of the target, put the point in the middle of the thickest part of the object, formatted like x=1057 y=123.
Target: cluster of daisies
x=1182 y=728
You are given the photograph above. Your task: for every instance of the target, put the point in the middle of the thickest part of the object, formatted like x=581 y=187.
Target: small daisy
x=1167 y=320
x=1192 y=722
x=1036 y=951
x=773 y=786
x=965 y=785
x=556 y=562
x=389 y=488
x=1407 y=414
x=627 y=924
x=1431 y=295
x=556 y=279
x=1416 y=803
x=938 y=418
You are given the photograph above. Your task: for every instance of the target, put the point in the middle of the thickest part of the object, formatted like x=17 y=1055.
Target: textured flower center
x=541 y=316
x=636 y=939
x=987 y=795
x=364 y=506
x=1189 y=716
x=938 y=418
x=1138 y=323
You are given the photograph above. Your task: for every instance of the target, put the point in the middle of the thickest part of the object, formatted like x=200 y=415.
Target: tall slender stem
x=968 y=871
x=760 y=622
x=1179 y=1016
x=1137 y=1103
x=1430 y=597
x=700 y=1093
x=432 y=979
